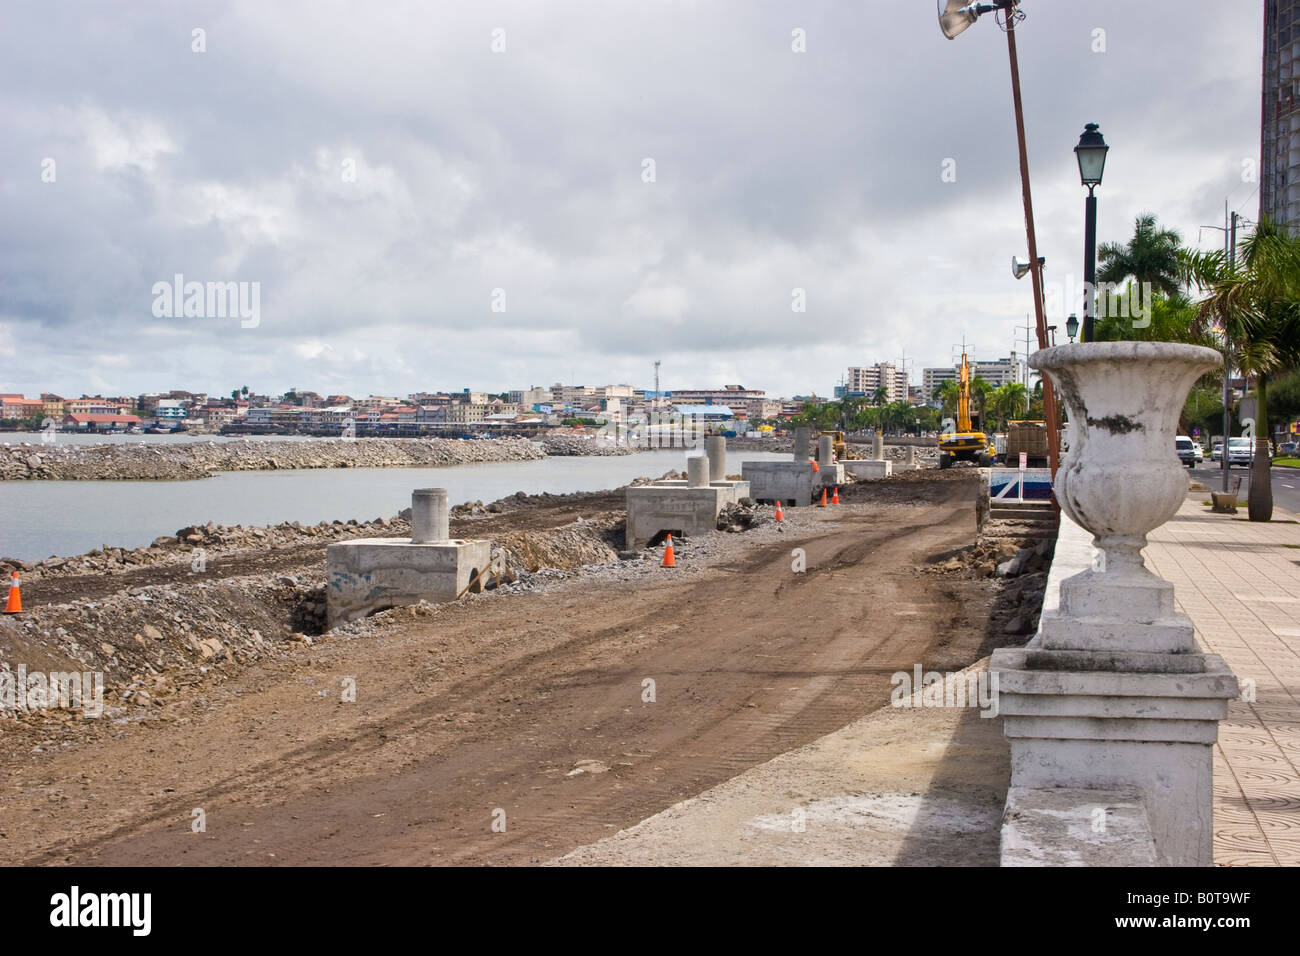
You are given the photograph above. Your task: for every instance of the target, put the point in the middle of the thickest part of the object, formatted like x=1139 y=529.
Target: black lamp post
x=1091 y=154
x=1072 y=326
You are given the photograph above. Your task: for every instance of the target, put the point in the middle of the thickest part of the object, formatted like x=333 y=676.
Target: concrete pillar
x=429 y=515
x=697 y=471
x=878 y=447
x=911 y=455
x=802 y=439
x=716 y=447
x=825 y=451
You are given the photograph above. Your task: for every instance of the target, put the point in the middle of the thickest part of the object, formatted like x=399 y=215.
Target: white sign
x=1024 y=460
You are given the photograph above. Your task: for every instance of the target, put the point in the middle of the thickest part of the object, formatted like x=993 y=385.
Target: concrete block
x=789 y=481
x=1072 y=826
x=681 y=511
x=1150 y=732
x=867 y=470
x=375 y=574
x=830 y=476
x=735 y=490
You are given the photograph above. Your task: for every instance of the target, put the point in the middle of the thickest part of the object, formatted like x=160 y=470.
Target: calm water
x=43 y=518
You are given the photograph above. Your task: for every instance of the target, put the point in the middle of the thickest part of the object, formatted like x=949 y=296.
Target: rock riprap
x=197 y=459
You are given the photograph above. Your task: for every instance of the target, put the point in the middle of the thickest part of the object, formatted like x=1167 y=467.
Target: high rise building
x=1279 y=174
x=866 y=379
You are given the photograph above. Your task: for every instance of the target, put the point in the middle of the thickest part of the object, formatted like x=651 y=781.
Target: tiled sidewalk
x=1239 y=582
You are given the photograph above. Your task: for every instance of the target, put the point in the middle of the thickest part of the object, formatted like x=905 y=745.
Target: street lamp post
x=1091 y=154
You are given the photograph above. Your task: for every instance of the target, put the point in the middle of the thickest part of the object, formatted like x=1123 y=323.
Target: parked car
x=1289 y=449
x=1216 y=453
x=1186 y=449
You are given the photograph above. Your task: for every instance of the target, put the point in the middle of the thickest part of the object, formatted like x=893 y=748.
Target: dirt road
x=527 y=710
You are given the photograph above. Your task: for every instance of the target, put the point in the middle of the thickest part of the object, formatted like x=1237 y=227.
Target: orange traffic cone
x=823 y=501
x=835 y=498
x=780 y=515
x=816 y=467
x=669 y=561
x=15 y=603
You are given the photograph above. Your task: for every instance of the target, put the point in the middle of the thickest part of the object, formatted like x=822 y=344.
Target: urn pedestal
x=1114 y=693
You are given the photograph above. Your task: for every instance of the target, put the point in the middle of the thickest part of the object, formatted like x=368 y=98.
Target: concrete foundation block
x=867 y=470
x=679 y=510
x=1070 y=826
x=1150 y=732
x=830 y=476
x=789 y=481
x=735 y=490
x=375 y=574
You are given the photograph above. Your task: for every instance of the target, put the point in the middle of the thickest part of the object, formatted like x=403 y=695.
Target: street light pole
x=1089 y=266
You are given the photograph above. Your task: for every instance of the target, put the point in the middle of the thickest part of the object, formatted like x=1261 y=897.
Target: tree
x=1152 y=256
x=1008 y=402
x=234 y=394
x=244 y=391
x=1255 y=307
x=980 y=390
x=881 y=395
x=948 y=393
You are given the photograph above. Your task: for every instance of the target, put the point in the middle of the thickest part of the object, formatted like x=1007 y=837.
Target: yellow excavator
x=966 y=442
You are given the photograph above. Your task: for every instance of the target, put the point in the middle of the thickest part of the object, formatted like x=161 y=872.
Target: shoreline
x=191 y=461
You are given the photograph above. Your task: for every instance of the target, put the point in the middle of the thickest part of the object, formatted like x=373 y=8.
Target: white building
x=866 y=379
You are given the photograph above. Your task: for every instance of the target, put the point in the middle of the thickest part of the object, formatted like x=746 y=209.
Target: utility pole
x=1035 y=267
x=656 y=398
x=1229 y=229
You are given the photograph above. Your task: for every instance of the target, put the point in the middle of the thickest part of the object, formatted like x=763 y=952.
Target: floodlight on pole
x=956 y=15
x=1020 y=267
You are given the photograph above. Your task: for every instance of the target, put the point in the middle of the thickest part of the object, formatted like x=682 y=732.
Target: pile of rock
x=742 y=516
x=1003 y=557
x=567 y=445
x=196 y=459
x=214 y=539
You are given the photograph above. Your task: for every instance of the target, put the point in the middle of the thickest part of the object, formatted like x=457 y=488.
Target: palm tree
x=244 y=391
x=1008 y=401
x=881 y=395
x=1151 y=256
x=980 y=390
x=1255 y=306
x=948 y=392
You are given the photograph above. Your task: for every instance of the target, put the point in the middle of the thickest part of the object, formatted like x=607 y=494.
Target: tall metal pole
x=1229 y=249
x=1089 y=265
x=1035 y=267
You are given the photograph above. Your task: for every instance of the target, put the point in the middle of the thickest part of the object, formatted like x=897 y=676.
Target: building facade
x=865 y=380
x=1279 y=173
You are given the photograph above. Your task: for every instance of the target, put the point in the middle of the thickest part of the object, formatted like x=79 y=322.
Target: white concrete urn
x=1121 y=478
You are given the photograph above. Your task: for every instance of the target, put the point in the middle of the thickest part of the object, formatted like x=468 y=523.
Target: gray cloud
x=522 y=171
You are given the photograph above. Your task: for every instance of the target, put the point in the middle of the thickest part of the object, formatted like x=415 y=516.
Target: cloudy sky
x=386 y=176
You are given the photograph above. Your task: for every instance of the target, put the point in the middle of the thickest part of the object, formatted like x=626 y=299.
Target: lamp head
x=1072 y=326
x=1091 y=154
x=1020 y=267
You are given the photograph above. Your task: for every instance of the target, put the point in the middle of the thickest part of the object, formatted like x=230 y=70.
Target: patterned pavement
x=1239 y=582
